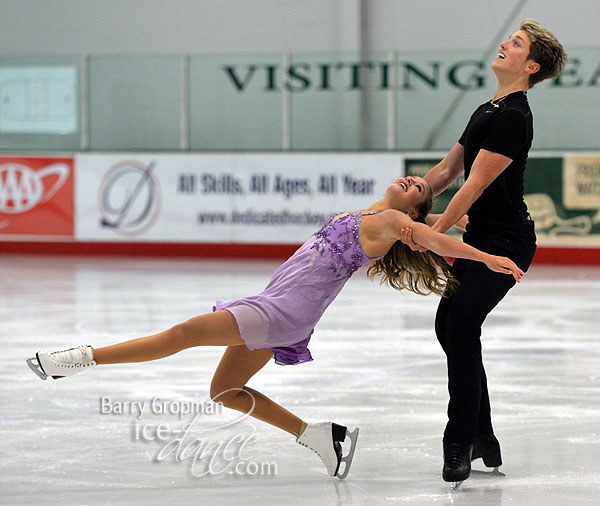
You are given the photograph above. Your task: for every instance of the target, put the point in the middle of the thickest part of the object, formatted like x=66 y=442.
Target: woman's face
x=405 y=193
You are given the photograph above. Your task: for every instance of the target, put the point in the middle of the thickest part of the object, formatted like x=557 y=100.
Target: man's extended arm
x=431 y=219
x=486 y=168
x=442 y=175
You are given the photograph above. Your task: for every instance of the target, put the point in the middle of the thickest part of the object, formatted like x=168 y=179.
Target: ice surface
x=377 y=366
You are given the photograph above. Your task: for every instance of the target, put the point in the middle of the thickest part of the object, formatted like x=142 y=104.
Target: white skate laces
x=325 y=440
x=59 y=364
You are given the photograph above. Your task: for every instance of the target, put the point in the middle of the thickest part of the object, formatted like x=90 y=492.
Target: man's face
x=512 y=54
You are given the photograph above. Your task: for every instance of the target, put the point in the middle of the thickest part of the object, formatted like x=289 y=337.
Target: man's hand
x=406 y=238
x=462 y=223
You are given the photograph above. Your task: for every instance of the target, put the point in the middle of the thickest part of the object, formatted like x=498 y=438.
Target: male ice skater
x=492 y=151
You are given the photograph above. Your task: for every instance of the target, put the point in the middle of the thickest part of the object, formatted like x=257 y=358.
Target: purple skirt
x=253 y=325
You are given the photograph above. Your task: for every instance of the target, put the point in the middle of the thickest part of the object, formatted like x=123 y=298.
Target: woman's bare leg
x=237 y=366
x=228 y=386
x=211 y=329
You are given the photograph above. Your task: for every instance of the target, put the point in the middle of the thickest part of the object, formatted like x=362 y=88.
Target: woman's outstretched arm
x=448 y=246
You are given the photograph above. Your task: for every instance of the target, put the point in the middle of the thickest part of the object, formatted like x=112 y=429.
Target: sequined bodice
x=339 y=239
x=303 y=287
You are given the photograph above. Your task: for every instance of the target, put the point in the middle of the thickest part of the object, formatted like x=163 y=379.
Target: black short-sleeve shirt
x=507 y=130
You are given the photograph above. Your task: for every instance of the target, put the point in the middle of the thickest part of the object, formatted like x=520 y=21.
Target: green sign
x=562 y=195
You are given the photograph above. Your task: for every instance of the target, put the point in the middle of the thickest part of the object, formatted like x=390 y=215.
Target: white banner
x=223 y=198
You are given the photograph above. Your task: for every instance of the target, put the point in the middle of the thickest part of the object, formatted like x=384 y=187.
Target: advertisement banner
x=36 y=198
x=581 y=176
x=223 y=198
x=562 y=195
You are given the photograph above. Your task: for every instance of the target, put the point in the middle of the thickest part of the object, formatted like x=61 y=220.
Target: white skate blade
x=34 y=365
x=454 y=485
x=348 y=458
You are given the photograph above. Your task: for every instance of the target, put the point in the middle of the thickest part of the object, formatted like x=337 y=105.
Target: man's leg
x=479 y=292
x=440 y=322
x=441 y=316
x=484 y=425
x=485 y=421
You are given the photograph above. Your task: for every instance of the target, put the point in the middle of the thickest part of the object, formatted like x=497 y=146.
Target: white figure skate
x=59 y=364
x=325 y=440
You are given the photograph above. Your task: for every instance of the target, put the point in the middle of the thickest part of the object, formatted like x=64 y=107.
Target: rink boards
x=252 y=204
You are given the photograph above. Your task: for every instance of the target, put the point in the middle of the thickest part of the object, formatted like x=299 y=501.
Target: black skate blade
x=350 y=455
x=35 y=366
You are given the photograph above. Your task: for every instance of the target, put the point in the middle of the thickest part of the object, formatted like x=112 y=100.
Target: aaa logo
x=22 y=188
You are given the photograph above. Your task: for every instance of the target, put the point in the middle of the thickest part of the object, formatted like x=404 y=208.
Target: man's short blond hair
x=545 y=50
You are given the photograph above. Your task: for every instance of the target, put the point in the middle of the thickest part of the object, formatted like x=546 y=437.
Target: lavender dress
x=282 y=317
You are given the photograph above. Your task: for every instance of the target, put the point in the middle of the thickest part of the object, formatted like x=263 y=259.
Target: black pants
x=458 y=326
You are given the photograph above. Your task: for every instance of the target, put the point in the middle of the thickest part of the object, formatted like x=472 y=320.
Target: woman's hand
x=504 y=265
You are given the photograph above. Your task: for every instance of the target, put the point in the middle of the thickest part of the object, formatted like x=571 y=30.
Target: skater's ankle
x=301 y=430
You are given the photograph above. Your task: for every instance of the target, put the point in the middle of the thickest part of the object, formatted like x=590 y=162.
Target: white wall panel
x=60 y=27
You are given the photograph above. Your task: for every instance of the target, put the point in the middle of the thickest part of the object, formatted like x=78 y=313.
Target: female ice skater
x=280 y=321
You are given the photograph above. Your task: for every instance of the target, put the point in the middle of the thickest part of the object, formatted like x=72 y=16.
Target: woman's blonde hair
x=545 y=50
x=421 y=273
